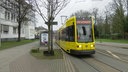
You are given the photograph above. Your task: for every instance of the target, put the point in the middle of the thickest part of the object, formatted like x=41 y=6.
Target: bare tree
x=116 y=18
x=81 y=13
x=20 y=8
x=48 y=10
x=119 y=17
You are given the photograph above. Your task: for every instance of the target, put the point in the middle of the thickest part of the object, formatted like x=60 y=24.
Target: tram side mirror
x=84 y=30
x=90 y=36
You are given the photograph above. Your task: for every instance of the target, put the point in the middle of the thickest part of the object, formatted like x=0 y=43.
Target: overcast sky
x=74 y=6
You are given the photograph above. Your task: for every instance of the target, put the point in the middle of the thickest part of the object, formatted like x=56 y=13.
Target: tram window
x=59 y=35
x=84 y=30
x=67 y=36
x=63 y=35
x=71 y=33
x=84 y=33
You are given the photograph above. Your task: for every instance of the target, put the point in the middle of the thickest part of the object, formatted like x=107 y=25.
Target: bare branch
x=44 y=4
x=61 y=6
x=40 y=12
x=53 y=7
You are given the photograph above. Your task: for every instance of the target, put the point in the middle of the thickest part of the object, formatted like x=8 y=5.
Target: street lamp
x=63 y=16
x=0 y=34
x=127 y=7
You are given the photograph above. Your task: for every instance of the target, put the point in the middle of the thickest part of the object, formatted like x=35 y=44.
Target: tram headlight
x=92 y=46
x=79 y=46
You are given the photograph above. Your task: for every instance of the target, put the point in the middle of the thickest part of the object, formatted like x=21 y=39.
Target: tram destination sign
x=83 y=22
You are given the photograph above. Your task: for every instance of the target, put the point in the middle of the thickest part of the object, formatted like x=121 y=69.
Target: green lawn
x=10 y=44
x=110 y=40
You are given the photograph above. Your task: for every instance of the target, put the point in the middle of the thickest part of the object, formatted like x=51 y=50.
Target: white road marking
x=113 y=54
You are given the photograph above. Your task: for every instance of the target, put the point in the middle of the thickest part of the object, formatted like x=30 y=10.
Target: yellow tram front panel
x=83 y=46
x=67 y=46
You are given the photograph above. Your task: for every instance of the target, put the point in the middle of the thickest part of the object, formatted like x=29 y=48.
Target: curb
x=68 y=64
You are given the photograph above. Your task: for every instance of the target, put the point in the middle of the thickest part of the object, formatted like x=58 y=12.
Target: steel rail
x=126 y=61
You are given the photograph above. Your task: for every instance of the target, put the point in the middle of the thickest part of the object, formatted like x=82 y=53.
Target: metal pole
x=48 y=13
x=127 y=7
x=0 y=34
x=62 y=21
x=0 y=28
x=52 y=52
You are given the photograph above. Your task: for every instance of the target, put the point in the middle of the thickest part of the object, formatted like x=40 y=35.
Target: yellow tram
x=76 y=36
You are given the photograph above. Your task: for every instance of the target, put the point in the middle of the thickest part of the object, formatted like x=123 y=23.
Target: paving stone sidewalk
x=27 y=63
x=18 y=59
x=9 y=55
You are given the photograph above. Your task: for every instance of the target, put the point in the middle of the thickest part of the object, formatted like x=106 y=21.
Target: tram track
x=99 y=65
x=71 y=65
x=93 y=64
x=81 y=65
x=114 y=55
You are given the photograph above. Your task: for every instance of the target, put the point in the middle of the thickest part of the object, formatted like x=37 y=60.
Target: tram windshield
x=84 y=33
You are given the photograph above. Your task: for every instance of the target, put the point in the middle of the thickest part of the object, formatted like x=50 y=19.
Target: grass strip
x=40 y=55
x=110 y=40
x=10 y=44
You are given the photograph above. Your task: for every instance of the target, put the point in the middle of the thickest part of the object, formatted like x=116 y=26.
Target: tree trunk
x=19 y=31
x=49 y=39
x=51 y=31
x=50 y=42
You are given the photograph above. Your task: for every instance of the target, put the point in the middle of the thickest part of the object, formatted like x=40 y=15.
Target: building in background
x=9 y=25
x=30 y=26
